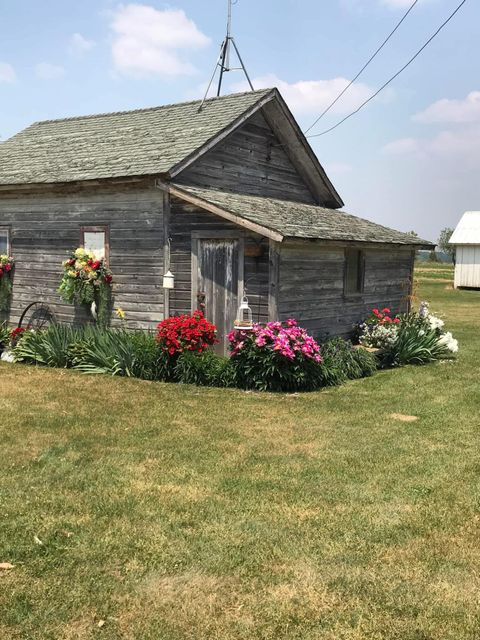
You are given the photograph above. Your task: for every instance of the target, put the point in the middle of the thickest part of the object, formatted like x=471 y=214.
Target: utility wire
x=444 y=24
x=345 y=89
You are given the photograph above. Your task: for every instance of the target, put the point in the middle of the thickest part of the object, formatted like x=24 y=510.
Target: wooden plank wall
x=46 y=226
x=311 y=286
x=184 y=219
x=252 y=161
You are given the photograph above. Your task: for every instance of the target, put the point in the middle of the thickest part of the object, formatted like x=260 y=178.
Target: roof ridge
x=107 y=114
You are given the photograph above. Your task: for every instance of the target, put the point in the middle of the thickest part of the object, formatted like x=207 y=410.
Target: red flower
x=108 y=278
x=8 y=267
x=385 y=310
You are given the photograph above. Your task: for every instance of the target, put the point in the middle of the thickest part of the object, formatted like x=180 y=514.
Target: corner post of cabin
x=274 y=268
x=166 y=250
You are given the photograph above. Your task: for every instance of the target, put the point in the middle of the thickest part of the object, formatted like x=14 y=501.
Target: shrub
x=205 y=369
x=276 y=357
x=186 y=333
x=341 y=361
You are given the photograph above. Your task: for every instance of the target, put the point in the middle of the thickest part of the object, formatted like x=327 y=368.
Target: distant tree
x=432 y=256
x=449 y=249
x=412 y=233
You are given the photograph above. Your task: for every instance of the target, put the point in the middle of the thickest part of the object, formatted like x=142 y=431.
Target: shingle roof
x=468 y=229
x=298 y=220
x=123 y=144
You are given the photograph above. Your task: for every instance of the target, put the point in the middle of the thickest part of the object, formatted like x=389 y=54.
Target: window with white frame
x=4 y=241
x=95 y=240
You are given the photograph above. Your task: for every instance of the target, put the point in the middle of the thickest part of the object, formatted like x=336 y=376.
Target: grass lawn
x=149 y=511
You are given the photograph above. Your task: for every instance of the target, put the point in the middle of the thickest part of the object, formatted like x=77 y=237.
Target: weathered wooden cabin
x=228 y=198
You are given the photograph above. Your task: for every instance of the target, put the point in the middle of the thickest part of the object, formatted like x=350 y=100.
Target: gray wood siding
x=46 y=227
x=250 y=160
x=185 y=219
x=311 y=280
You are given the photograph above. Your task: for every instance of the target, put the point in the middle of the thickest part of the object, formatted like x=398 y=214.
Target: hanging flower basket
x=6 y=284
x=87 y=280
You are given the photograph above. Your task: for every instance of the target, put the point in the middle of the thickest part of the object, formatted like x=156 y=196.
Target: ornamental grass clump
x=341 y=361
x=87 y=280
x=6 y=284
x=278 y=356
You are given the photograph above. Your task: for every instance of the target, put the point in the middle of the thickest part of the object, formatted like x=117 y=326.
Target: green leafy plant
x=417 y=343
x=205 y=369
x=4 y=336
x=341 y=361
x=51 y=348
x=6 y=284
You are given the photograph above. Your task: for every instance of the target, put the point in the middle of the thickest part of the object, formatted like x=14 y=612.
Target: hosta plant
x=87 y=280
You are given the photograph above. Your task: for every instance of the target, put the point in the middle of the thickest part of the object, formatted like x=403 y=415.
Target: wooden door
x=219 y=280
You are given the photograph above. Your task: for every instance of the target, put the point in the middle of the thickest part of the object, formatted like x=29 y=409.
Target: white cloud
x=148 y=40
x=401 y=146
x=47 y=71
x=452 y=111
x=7 y=72
x=79 y=45
x=312 y=96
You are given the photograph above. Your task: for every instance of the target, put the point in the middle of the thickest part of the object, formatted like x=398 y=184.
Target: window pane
x=3 y=241
x=94 y=242
x=353 y=271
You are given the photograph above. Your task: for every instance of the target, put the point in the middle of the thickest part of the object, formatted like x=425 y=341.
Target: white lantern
x=168 y=280
x=244 y=321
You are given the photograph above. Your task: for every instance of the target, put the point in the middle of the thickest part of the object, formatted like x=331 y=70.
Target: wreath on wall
x=6 y=283
x=87 y=280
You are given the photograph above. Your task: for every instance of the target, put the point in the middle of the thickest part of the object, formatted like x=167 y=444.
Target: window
x=95 y=240
x=4 y=241
x=354 y=271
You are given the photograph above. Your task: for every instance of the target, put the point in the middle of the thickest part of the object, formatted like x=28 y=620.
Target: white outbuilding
x=466 y=239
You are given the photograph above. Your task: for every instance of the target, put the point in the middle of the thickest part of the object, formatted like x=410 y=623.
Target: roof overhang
x=218 y=211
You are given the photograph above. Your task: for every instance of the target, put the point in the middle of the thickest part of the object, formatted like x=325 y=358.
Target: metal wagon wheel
x=37 y=316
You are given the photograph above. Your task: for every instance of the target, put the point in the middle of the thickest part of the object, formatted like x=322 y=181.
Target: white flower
x=449 y=341
x=434 y=322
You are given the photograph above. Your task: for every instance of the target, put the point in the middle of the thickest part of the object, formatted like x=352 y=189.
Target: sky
x=409 y=160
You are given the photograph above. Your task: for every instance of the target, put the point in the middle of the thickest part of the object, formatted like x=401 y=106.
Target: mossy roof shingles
x=114 y=145
x=299 y=220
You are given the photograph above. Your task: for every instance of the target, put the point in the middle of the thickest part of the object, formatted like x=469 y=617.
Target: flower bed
x=417 y=337
x=278 y=356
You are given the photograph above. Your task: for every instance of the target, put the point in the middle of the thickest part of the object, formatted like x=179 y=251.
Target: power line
x=332 y=104
x=444 y=24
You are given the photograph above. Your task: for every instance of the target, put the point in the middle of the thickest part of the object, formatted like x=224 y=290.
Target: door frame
x=197 y=236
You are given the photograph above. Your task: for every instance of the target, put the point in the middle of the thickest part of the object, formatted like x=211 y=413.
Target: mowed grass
x=146 y=511
x=436 y=271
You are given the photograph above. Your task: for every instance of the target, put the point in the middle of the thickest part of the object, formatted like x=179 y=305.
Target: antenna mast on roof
x=223 y=61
